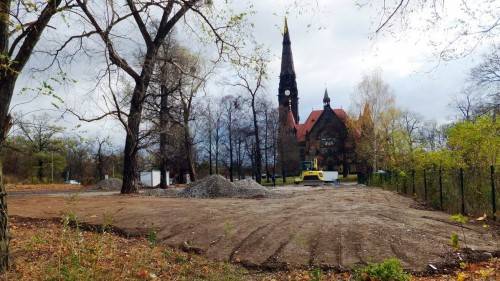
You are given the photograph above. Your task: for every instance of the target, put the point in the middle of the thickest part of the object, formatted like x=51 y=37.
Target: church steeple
x=287 y=67
x=287 y=91
x=326 y=99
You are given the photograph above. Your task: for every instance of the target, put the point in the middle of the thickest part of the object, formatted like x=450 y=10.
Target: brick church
x=324 y=135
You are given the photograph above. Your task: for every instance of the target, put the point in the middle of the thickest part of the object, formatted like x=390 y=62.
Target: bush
x=389 y=270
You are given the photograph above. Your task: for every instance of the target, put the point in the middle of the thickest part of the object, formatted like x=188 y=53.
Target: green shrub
x=389 y=270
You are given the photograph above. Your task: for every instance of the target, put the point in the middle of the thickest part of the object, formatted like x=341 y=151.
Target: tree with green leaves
x=22 y=24
x=43 y=141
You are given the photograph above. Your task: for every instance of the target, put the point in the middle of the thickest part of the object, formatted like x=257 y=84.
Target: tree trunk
x=163 y=137
x=7 y=83
x=40 y=171
x=265 y=150
x=230 y=132
x=130 y=172
x=4 y=225
x=210 y=149
x=189 y=151
x=217 y=152
x=258 y=157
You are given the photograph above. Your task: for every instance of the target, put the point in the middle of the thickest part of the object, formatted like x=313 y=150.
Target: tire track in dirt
x=273 y=261
x=255 y=245
x=316 y=238
x=330 y=227
x=245 y=240
x=174 y=233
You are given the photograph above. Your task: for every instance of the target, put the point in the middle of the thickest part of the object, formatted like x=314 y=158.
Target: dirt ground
x=333 y=227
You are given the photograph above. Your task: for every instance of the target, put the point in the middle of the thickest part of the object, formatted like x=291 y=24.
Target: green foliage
x=477 y=142
x=389 y=270
x=228 y=228
x=316 y=274
x=152 y=236
x=459 y=218
x=455 y=241
x=36 y=241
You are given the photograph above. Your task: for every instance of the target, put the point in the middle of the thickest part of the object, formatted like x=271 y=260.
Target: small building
x=152 y=178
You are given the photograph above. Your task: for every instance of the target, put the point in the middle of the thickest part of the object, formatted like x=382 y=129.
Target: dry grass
x=60 y=250
x=50 y=250
x=26 y=187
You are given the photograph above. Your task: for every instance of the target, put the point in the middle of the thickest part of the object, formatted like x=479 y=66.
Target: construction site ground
x=336 y=227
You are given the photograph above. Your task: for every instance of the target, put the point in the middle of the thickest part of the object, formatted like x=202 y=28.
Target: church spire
x=287 y=67
x=287 y=91
x=326 y=99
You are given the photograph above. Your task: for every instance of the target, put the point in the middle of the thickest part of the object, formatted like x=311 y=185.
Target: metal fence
x=471 y=191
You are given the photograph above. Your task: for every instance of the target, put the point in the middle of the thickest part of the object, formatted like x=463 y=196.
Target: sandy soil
x=332 y=227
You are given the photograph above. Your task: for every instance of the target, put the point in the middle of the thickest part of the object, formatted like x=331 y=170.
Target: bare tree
x=485 y=82
x=135 y=15
x=411 y=122
x=100 y=156
x=487 y=73
x=466 y=103
x=433 y=136
x=251 y=75
x=455 y=28
x=374 y=98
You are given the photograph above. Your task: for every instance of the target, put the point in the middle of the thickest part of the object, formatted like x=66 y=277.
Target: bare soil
x=331 y=227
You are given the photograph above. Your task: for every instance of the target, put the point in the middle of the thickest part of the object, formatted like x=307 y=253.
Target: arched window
x=329 y=144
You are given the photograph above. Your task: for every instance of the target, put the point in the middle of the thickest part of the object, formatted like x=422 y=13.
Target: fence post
x=493 y=193
x=405 y=189
x=441 y=189
x=425 y=185
x=413 y=182
x=462 y=190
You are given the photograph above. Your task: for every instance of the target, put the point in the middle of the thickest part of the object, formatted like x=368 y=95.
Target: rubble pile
x=214 y=186
x=249 y=188
x=108 y=184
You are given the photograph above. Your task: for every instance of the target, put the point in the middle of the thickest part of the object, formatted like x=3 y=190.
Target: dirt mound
x=108 y=184
x=214 y=186
x=249 y=188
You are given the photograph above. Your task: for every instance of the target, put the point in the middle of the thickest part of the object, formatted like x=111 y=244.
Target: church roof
x=303 y=129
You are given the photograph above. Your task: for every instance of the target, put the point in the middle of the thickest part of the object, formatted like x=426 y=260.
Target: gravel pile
x=216 y=186
x=249 y=188
x=108 y=184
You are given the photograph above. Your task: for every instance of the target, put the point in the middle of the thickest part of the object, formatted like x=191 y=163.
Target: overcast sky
x=331 y=49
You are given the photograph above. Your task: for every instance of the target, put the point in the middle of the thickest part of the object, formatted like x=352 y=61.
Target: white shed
x=152 y=178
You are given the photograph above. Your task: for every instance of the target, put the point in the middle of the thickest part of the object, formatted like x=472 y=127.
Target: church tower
x=288 y=96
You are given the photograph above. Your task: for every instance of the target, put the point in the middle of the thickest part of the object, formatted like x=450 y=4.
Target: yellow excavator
x=310 y=175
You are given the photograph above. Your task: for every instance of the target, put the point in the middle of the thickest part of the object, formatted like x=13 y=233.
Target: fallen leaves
x=49 y=250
